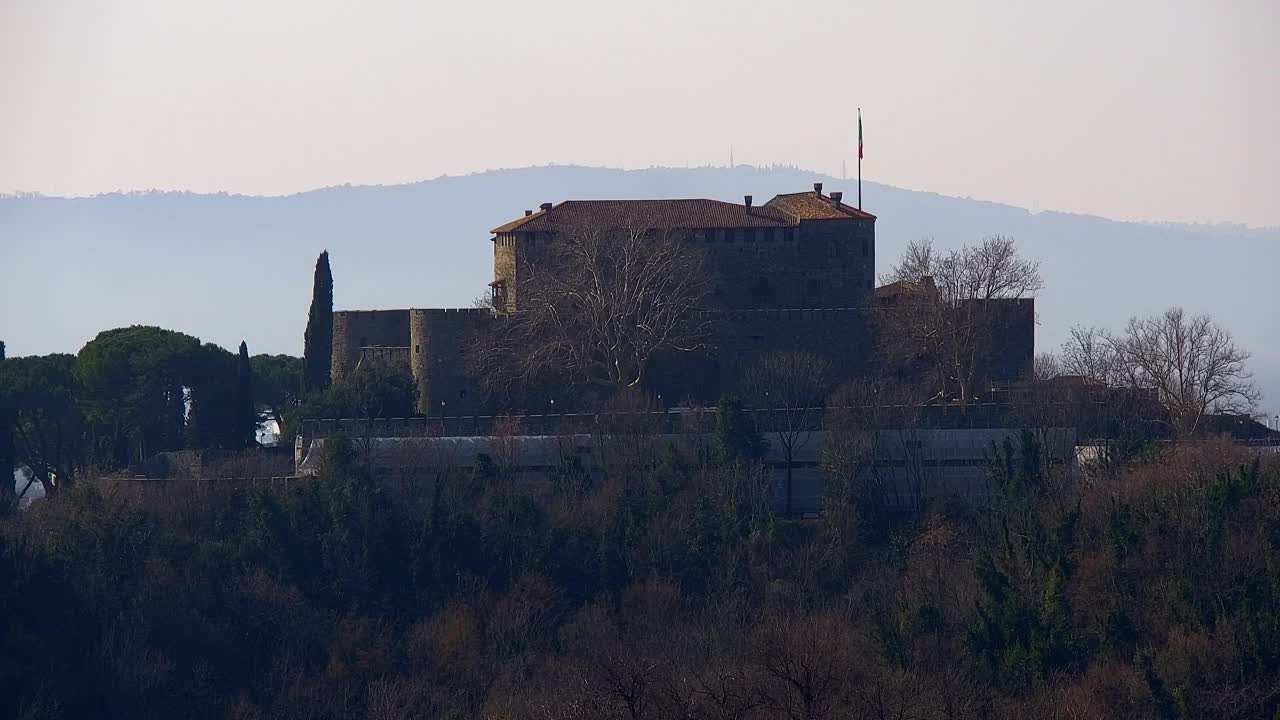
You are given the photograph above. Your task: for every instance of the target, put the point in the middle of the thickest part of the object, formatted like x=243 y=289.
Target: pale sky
x=1131 y=109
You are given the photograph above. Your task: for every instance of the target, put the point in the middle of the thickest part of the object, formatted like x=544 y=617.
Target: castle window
x=720 y=235
x=864 y=247
x=777 y=234
x=739 y=235
x=760 y=234
x=417 y=349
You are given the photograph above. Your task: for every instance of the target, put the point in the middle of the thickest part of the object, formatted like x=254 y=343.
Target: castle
x=795 y=272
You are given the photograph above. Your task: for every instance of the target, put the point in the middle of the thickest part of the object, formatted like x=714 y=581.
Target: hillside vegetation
x=662 y=591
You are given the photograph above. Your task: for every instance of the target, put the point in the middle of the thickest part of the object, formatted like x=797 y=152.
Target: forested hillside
x=663 y=591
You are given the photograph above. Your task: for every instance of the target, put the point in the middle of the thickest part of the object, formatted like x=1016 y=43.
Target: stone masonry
x=795 y=272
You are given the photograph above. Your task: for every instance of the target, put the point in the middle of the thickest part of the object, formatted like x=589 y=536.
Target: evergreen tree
x=7 y=490
x=133 y=382
x=318 y=340
x=246 y=414
x=212 y=398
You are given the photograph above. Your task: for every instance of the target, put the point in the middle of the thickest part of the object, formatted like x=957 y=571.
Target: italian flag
x=859 y=135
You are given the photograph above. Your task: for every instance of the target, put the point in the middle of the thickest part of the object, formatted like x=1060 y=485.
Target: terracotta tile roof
x=814 y=206
x=656 y=214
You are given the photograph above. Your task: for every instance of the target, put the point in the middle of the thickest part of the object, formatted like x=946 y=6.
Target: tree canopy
x=135 y=381
x=48 y=424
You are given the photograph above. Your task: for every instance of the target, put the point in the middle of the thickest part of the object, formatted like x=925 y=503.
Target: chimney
x=527 y=213
x=817 y=187
x=835 y=198
x=746 y=199
x=544 y=207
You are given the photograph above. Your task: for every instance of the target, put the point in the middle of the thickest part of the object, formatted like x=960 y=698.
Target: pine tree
x=7 y=461
x=318 y=340
x=246 y=415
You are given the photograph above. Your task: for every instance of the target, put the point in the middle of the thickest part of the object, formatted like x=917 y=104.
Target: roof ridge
x=783 y=210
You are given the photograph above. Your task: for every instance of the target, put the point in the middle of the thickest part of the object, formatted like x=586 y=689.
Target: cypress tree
x=318 y=340
x=246 y=415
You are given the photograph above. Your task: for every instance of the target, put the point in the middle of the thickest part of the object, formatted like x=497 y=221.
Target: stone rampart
x=354 y=330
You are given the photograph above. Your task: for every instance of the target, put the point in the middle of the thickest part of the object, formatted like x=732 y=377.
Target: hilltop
x=227 y=267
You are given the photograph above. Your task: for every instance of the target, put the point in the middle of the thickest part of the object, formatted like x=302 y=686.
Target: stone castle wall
x=504 y=268
x=835 y=266
x=817 y=264
x=439 y=339
x=432 y=343
x=354 y=330
x=842 y=334
x=428 y=343
x=804 y=286
x=1014 y=339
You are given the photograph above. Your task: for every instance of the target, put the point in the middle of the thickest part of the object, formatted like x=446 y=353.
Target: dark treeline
x=658 y=589
x=131 y=393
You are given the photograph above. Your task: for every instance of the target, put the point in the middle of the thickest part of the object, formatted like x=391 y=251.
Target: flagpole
x=859 y=158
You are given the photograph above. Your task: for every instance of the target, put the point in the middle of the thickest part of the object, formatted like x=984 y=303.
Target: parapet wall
x=432 y=343
x=354 y=330
x=845 y=335
x=739 y=336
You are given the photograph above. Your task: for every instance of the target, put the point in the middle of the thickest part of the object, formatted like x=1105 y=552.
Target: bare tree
x=1091 y=354
x=991 y=270
x=1046 y=367
x=1193 y=365
x=918 y=261
x=943 y=316
x=599 y=304
x=792 y=386
x=804 y=661
x=1102 y=397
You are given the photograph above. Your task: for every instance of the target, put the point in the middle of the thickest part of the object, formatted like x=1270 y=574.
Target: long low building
x=913 y=466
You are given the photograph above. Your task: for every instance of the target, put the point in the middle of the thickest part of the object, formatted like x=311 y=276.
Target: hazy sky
x=1135 y=109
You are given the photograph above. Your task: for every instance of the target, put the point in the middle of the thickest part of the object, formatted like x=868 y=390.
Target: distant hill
x=231 y=267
